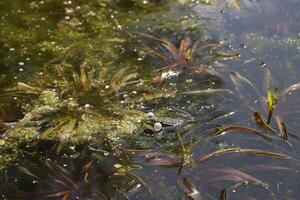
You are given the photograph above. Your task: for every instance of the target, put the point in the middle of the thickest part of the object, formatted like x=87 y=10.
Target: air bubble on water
x=11 y=49
x=21 y=69
x=157 y=126
x=21 y=63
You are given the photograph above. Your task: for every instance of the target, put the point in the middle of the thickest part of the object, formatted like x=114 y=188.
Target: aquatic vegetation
x=181 y=58
x=258 y=118
x=89 y=79
x=185 y=154
x=128 y=171
x=282 y=127
x=185 y=157
x=65 y=183
x=53 y=118
x=207 y=91
x=178 y=58
x=240 y=178
x=241 y=129
x=190 y=190
x=213 y=174
x=90 y=104
x=274 y=99
x=239 y=150
x=81 y=80
x=74 y=175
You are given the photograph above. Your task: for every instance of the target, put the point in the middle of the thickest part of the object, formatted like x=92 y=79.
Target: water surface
x=251 y=47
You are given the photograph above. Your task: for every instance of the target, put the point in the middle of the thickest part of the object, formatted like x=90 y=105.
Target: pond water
x=154 y=99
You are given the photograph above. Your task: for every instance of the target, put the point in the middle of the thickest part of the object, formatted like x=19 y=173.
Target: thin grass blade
x=282 y=128
x=190 y=190
x=258 y=119
x=208 y=91
x=240 y=129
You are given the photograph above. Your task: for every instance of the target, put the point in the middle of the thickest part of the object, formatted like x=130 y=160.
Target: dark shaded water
x=119 y=159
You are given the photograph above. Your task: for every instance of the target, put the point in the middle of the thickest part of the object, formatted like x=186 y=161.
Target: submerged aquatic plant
x=66 y=121
x=185 y=154
x=79 y=173
x=66 y=183
x=181 y=58
x=190 y=190
x=240 y=178
x=274 y=98
x=75 y=104
x=122 y=170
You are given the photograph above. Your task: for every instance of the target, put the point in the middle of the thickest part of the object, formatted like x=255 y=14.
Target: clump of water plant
x=72 y=178
x=182 y=58
x=81 y=103
x=55 y=116
x=267 y=103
